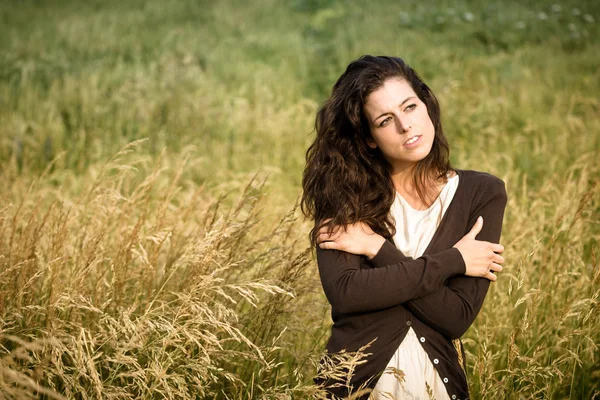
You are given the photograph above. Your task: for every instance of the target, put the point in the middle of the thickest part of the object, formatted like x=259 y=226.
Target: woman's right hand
x=480 y=256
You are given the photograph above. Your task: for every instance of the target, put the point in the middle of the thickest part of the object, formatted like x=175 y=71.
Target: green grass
x=223 y=91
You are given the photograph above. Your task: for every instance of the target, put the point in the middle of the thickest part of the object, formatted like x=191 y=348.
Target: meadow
x=151 y=156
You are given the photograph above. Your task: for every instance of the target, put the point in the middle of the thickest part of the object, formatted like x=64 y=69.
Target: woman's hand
x=357 y=238
x=480 y=256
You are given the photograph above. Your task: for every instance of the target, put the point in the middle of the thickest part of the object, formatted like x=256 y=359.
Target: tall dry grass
x=539 y=332
x=137 y=283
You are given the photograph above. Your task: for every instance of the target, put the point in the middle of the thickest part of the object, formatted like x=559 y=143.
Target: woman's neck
x=404 y=180
x=404 y=184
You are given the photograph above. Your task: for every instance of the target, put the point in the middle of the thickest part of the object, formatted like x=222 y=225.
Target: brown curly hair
x=347 y=181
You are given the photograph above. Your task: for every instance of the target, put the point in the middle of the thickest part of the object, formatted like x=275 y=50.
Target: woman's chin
x=405 y=162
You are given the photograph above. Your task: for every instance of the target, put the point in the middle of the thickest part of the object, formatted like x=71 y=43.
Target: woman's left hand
x=358 y=238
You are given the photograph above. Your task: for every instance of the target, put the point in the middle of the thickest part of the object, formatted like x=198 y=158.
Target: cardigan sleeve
x=452 y=309
x=350 y=288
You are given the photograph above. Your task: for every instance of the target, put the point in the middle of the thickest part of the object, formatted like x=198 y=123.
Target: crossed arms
x=433 y=287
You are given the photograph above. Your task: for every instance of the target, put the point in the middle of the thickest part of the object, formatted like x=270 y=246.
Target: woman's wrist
x=374 y=246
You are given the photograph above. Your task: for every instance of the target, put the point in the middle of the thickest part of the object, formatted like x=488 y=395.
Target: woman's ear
x=371 y=143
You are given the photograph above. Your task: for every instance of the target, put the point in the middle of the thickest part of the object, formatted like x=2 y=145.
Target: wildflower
x=556 y=7
x=572 y=27
x=469 y=17
x=542 y=15
x=576 y=11
x=439 y=19
x=588 y=18
x=520 y=25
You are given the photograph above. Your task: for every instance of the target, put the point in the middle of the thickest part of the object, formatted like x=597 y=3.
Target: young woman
x=406 y=245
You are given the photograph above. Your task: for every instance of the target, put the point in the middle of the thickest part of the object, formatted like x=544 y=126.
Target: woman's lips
x=415 y=143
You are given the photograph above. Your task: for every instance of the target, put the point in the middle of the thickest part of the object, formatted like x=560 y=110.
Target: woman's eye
x=411 y=107
x=385 y=121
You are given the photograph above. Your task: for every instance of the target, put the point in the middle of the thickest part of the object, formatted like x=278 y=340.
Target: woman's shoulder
x=475 y=177
x=481 y=182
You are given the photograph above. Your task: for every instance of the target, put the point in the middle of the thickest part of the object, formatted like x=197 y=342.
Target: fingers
x=326 y=237
x=497 y=248
x=491 y=277
x=476 y=228
x=497 y=258
x=329 y=245
x=338 y=231
x=495 y=267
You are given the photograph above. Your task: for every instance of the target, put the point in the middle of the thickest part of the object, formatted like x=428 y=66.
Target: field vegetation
x=150 y=167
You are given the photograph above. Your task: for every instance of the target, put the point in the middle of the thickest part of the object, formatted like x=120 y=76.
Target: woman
x=404 y=258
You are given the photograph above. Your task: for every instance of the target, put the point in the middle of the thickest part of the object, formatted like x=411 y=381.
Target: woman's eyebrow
x=401 y=104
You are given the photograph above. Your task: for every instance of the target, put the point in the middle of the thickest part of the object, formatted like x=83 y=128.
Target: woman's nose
x=404 y=125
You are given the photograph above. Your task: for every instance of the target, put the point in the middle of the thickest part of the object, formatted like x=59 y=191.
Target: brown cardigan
x=382 y=297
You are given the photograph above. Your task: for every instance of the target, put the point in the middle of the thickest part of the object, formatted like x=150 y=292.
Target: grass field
x=151 y=155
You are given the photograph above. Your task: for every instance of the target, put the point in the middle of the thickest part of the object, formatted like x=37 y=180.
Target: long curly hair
x=346 y=181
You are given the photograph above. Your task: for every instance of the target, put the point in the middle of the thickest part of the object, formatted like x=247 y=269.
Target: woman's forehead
x=391 y=94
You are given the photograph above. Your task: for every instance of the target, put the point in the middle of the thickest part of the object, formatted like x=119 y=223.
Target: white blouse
x=414 y=231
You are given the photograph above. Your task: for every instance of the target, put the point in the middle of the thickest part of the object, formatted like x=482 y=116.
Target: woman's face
x=399 y=123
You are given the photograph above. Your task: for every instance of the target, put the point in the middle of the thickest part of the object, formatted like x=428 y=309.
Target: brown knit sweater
x=382 y=297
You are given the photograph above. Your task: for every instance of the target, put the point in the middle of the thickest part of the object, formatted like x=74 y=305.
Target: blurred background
x=152 y=150
x=238 y=83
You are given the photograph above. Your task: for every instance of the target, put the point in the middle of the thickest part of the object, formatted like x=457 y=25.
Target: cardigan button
x=453 y=397
x=445 y=380
x=436 y=361
x=422 y=340
x=408 y=323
